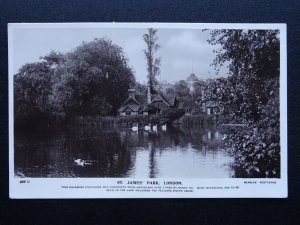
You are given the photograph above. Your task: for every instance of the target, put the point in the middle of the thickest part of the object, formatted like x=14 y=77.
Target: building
x=191 y=81
x=160 y=102
x=211 y=108
x=131 y=106
x=155 y=104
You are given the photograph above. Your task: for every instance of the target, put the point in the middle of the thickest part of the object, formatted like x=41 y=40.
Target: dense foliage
x=142 y=120
x=184 y=96
x=32 y=89
x=90 y=80
x=141 y=92
x=250 y=95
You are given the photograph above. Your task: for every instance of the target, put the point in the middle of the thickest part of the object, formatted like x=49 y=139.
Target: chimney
x=149 y=95
x=131 y=93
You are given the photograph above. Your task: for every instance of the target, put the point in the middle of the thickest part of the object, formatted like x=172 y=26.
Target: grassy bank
x=127 y=121
x=123 y=121
x=96 y=121
x=196 y=120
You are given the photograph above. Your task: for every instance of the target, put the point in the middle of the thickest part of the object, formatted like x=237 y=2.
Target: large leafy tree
x=141 y=93
x=90 y=80
x=183 y=95
x=93 y=79
x=253 y=57
x=250 y=94
x=153 y=62
x=32 y=91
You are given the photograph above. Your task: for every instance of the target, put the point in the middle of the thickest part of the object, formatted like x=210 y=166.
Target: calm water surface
x=178 y=152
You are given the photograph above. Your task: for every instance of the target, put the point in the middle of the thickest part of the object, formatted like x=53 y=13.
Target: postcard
x=147 y=110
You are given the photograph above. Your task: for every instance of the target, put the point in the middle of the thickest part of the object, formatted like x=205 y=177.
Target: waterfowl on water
x=154 y=128
x=81 y=162
x=164 y=127
x=147 y=127
x=135 y=128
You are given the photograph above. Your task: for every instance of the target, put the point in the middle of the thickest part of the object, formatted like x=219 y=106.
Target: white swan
x=81 y=162
x=147 y=127
x=164 y=127
x=154 y=128
x=135 y=128
x=224 y=137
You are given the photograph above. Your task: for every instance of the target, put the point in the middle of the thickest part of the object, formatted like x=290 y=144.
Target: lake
x=179 y=152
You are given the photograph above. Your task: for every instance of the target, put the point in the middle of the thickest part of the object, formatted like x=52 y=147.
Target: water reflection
x=177 y=152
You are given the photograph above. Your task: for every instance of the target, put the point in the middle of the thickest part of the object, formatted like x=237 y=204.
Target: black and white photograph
x=148 y=104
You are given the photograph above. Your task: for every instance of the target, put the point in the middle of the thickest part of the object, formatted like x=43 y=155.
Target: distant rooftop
x=192 y=77
x=163 y=82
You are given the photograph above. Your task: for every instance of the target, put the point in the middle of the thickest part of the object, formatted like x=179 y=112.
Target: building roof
x=171 y=98
x=192 y=77
x=133 y=108
x=130 y=103
x=132 y=100
x=159 y=98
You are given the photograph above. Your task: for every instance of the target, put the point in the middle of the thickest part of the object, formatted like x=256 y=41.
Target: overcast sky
x=182 y=51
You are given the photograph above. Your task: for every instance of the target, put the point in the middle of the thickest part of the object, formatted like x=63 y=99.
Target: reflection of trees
x=53 y=155
x=201 y=138
x=209 y=136
x=36 y=154
x=152 y=163
x=111 y=156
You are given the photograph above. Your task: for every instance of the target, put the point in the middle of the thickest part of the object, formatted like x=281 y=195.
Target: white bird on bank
x=135 y=128
x=154 y=128
x=147 y=127
x=164 y=127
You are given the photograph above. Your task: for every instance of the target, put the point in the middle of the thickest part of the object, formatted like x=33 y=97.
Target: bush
x=172 y=114
x=256 y=149
x=192 y=120
x=96 y=121
x=140 y=119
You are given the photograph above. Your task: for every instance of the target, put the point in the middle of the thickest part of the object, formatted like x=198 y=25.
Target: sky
x=182 y=51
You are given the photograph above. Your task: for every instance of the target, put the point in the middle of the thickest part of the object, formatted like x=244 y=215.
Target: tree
x=32 y=91
x=254 y=59
x=141 y=93
x=90 y=80
x=53 y=59
x=93 y=79
x=183 y=95
x=153 y=62
x=251 y=94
